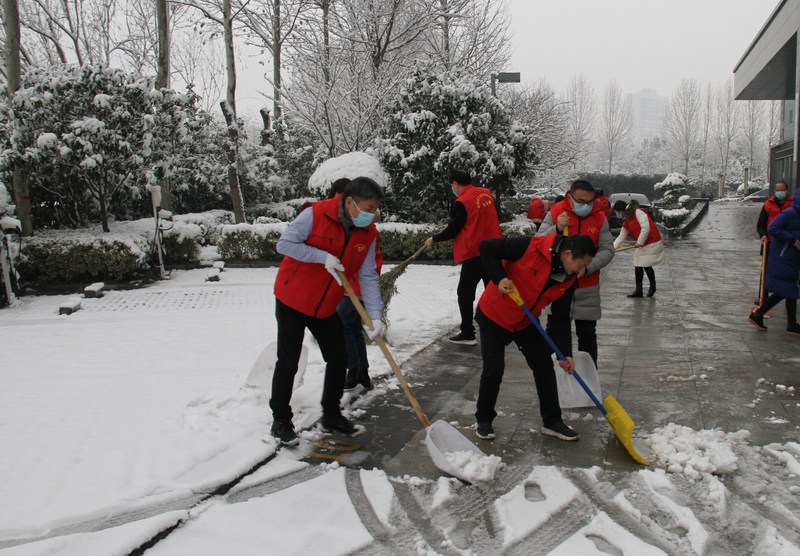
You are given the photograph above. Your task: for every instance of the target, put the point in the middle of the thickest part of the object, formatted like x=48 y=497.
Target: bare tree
x=708 y=124
x=753 y=127
x=683 y=121
x=471 y=35
x=726 y=124
x=13 y=75
x=540 y=108
x=582 y=115
x=616 y=124
x=198 y=62
x=162 y=18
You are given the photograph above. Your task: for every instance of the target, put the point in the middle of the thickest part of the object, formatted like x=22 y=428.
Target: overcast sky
x=642 y=44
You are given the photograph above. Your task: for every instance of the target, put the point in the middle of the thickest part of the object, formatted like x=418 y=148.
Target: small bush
x=246 y=242
x=181 y=250
x=67 y=261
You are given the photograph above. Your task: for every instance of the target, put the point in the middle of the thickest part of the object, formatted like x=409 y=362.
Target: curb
x=691 y=222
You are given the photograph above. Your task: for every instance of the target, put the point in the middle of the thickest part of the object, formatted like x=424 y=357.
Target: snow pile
x=475 y=467
x=670 y=213
x=350 y=166
x=684 y=450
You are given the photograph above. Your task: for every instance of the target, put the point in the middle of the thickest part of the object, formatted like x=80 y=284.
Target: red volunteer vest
x=529 y=275
x=633 y=227
x=482 y=222
x=378 y=266
x=308 y=287
x=536 y=210
x=605 y=206
x=589 y=226
x=773 y=210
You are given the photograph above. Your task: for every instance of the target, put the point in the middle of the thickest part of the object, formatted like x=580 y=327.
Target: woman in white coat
x=649 y=247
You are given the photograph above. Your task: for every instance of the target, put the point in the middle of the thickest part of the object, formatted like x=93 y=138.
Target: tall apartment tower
x=648 y=110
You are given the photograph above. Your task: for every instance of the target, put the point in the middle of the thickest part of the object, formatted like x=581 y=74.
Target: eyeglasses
x=582 y=203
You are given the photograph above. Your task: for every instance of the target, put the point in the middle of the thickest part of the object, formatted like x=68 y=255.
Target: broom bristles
x=387 y=283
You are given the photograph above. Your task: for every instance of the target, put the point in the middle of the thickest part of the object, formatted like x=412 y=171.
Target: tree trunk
x=101 y=197
x=231 y=148
x=326 y=41
x=230 y=61
x=20 y=179
x=276 y=60
x=266 y=133
x=163 y=82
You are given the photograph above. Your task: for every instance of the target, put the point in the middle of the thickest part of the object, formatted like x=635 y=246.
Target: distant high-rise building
x=648 y=110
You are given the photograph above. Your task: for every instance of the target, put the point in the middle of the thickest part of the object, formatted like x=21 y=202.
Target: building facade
x=768 y=70
x=648 y=110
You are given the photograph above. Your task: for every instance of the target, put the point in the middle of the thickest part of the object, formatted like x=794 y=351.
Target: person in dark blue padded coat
x=782 y=278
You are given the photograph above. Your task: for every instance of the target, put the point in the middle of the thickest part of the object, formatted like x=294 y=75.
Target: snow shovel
x=617 y=418
x=261 y=374
x=624 y=248
x=441 y=437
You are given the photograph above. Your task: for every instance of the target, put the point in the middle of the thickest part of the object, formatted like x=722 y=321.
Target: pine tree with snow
x=443 y=121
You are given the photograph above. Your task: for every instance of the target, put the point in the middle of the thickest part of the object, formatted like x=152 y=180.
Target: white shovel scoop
x=442 y=439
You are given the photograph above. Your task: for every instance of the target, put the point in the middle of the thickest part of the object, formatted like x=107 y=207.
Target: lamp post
x=504 y=77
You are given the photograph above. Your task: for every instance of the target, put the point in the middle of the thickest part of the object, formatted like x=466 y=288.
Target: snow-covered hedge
x=675 y=203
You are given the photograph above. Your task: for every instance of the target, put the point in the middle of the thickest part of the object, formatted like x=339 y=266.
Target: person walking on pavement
x=473 y=218
x=782 y=278
x=579 y=213
x=649 y=250
x=541 y=269
x=769 y=212
x=330 y=235
x=537 y=210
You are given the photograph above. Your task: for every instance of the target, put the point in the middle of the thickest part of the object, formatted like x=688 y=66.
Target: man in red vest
x=330 y=235
x=541 y=269
x=473 y=218
x=578 y=213
x=769 y=212
x=602 y=201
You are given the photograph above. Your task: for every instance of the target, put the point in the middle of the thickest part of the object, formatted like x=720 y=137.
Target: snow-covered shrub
x=53 y=261
x=674 y=204
x=440 y=122
x=250 y=241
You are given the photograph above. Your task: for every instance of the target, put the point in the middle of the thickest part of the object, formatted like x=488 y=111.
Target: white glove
x=332 y=264
x=372 y=334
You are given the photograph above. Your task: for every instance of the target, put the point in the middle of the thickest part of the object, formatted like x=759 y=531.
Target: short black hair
x=581 y=185
x=783 y=182
x=461 y=177
x=620 y=206
x=598 y=192
x=337 y=187
x=361 y=189
x=559 y=198
x=580 y=246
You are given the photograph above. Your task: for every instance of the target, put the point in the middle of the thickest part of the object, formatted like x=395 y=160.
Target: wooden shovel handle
x=624 y=248
x=385 y=350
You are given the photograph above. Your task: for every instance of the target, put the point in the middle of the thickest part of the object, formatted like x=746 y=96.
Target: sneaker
x=562 y=431
x=636 y=293
x=283 y=431
x=464 y=339
x=364 y=380
x=338 y=423
x=793 y=330
x=485 y=431
x=352 y=379
x=757 y=321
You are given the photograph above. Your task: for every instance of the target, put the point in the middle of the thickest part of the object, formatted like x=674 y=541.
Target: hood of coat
x=796 y=200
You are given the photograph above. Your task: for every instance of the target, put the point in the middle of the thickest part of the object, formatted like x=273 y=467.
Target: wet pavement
x=686 y=356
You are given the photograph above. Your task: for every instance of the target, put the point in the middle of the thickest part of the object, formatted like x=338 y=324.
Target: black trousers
x=329 y=334
x=472 y=272
x=559 y=328
x=774 y=299
x=537 y=354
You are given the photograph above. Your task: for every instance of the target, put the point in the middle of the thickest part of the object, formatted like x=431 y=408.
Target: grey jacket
x=586 y=301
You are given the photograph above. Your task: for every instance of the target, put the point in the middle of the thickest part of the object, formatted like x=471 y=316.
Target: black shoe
x=338 y=423
x=758 y=321
x=352 y=379
x=464 y=339
x=636 y=293
x=793 y=330
x=364 y=380
x=562 y=431
x=283 y=431
x=651 y=292
x=485 y=431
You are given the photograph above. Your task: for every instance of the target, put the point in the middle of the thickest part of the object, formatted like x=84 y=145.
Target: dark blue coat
x=783 y=264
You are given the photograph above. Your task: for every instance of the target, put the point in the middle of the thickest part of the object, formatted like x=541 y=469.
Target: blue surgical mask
x=363 y=219
x=582 y=210
x=780 y=195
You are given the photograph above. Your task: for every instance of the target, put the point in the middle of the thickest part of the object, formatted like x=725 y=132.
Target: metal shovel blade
x=441 y=439
x=622 y=425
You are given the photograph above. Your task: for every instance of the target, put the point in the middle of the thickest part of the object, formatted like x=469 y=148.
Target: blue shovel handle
x=518 y=300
